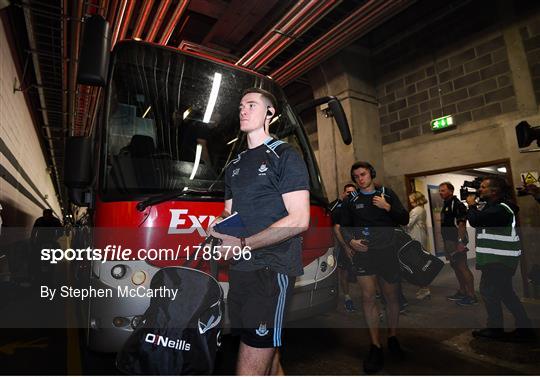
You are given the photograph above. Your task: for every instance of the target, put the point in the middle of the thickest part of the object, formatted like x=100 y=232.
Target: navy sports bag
x=180 y=336
x=417 y=266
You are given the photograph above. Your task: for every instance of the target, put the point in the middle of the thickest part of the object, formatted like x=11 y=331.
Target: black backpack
x=180 y=336
x=417 y=266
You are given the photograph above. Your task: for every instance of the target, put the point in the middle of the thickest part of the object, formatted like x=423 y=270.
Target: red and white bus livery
x=152 y=171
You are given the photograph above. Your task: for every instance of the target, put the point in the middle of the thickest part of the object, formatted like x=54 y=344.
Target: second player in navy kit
x=368 y=219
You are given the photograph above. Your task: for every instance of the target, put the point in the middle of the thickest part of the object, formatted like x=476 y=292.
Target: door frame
x=409 y=179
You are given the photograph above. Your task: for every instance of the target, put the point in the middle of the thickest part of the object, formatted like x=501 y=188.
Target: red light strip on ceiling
x=178 y=12
x=298 y=19
x=300 y=29
x=371 y=14
x=125 y=24
x=143 y=17
x=118 y=22
x=158 y=20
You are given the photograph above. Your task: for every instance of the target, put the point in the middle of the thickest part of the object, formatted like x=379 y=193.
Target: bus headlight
x=136 y=321
x=138 y=277
x=331 y=260
x=120 y=321
x=118 y=271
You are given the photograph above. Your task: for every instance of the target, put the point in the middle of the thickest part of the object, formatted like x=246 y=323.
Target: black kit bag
x=417 y=266
x=180 y=336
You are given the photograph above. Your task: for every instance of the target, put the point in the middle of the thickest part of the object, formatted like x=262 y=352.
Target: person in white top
x=417 y=229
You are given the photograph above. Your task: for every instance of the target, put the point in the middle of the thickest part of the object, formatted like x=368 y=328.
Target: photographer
x=497 y=255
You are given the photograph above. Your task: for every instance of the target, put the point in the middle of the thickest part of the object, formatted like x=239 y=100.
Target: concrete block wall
x=25 y=184
x=471 y=83
x=530 y=34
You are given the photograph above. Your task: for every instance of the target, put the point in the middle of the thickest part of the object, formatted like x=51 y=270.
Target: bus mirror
x=77 y=170
x=334 y=109
x=95 y=52
x=341 y=120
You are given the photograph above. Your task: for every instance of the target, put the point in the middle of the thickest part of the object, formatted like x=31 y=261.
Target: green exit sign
x=443 y=122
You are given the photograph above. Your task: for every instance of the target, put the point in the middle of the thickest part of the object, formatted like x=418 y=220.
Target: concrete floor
x=434 y=333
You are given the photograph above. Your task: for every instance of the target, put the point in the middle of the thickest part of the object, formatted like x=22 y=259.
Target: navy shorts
x=383 y=263
x=257 y=301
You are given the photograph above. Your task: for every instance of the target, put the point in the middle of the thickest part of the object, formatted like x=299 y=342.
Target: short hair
x=499 y=185
x=269 y=97
x=448 y=185
x=418 y=198
x=349 y=185
x=47 y=211
x=365 y=165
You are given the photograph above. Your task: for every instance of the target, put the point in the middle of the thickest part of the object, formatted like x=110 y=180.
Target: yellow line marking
x=11 y=348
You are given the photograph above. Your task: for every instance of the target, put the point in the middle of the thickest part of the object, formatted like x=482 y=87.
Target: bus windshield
x=171 y=124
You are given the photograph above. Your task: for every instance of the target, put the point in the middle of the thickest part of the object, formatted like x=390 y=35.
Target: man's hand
x=228 y=243
x=359 y=245
x=349 y=252
x=471 y=200
x=380 y=201
x=460 y=247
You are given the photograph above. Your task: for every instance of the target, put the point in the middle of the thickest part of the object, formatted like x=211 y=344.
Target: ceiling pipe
x=178 y=12
x=334 y=37
x=259 y=46
x=75 y=32
x=111 y=11
x=65 y=64
x=369 y=15
x=118 y=21
x=158 y=20
x=141 y=20
x=298 y=19
x=301 y=28
x=125 y=25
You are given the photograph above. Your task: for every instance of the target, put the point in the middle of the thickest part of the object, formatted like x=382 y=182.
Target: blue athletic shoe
x=349 y=306
x=467 y=301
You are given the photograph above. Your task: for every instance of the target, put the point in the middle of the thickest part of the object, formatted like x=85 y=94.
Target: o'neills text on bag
x=164 y=341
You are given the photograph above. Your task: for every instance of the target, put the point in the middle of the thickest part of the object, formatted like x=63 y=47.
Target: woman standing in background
x=417 y=230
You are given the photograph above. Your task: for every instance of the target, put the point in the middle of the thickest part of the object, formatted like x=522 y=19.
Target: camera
x=470 y=188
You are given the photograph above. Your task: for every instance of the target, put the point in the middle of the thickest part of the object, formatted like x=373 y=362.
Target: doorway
x=464 y=179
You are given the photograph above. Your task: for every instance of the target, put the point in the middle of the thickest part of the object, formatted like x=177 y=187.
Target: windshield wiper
x=142 y=205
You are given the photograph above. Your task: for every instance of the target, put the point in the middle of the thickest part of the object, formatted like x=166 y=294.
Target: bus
x=151 y=175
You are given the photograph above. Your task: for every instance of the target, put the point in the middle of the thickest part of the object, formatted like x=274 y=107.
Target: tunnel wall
x=26 y=187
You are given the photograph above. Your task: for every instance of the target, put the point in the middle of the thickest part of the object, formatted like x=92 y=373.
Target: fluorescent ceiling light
x=502 y=169
x=198 y=153
x=489 y=170
x=147 y=111
x=213 y=97
x=232 y=141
